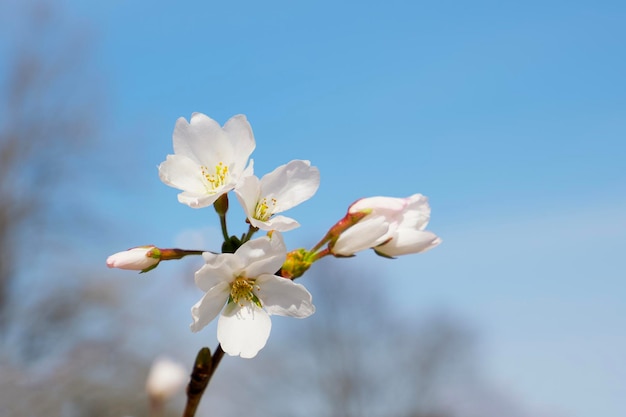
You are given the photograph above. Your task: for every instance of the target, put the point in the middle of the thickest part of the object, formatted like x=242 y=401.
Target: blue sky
x=510 y=116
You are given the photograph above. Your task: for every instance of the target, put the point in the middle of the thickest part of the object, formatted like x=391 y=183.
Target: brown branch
x=203 y=370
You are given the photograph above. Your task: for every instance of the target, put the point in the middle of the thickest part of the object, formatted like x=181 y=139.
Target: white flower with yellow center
x=208 y=159
x=244 y=281
x=285 y=187
x=393 y=227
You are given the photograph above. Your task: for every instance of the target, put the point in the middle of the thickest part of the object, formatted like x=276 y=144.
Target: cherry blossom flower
x=244 y=282
x=285 y=187
x=208 y=159
x=141 y=258
x=392 y=227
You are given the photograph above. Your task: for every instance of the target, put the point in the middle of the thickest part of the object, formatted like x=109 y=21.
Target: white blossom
x=208 y=159
x=243 y=287
x=285 y=187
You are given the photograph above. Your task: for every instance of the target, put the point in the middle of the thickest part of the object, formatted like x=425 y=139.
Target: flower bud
x=141 y=258
x=392 y=227
x=165 y=379
x=296 y=264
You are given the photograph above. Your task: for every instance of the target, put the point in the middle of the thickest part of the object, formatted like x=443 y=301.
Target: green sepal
x=231 y=245
x=150 y=268
x=384 y=255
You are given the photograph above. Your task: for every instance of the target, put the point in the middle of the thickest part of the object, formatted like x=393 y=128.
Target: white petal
x=247 y=191
x=183 y=173
x=241 y=139
x=278 y=223
x=217 y=269
x=133 y=259
x=243 y=331
x=369 y=232
x=417 y=213
x=409 y=241
x=194 y=200
x=291 y=184
x=249 y=170
x=205 y=310
x=202 y=140
x=378 y=204
x=283 y=297
x=262 y=256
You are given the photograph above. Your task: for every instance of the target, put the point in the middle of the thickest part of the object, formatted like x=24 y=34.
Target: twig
x=203 y=370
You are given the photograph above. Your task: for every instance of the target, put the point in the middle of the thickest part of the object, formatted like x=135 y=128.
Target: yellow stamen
x=241 y=291
x=264 y=209
x=214 y=181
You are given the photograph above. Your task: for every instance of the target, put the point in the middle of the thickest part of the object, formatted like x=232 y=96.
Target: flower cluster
x=252 y=279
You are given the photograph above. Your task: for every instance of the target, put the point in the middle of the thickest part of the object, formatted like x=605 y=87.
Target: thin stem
x=224 y=227
x=319 y=255
x=203 y=370
x=322 y=242
x=251 y=230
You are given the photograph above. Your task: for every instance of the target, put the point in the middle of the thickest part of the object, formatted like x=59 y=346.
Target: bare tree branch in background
x=372 y=360
x=357 y=356
x=62 y=345
x=46 y=106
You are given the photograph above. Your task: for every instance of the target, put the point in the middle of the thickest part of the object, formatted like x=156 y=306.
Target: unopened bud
x=296 y=264
x=221 y=205
x=141 y=258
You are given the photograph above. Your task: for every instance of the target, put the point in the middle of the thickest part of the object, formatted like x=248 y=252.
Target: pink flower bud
x=141 y=258
x=392 y=227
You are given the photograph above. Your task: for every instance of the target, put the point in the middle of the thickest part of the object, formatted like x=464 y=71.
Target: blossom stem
x=174 y=253
x=251 y=231
x=322 y=242
x=319 y=255
x=203 y=370
x=349 y=220
x=224 y=227
x=221 y=207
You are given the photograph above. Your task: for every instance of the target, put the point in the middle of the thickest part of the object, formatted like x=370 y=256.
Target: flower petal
x=182 y=172
x=243 y=330
x=291 y=184
x=242 y=140
x=202 y=140
x=379 y=205
x=217 y=269
x=134 y=259
x=205 y=310
x=262 y=255
x=409 y=241
x=194 y=200
x=278 y=223
x=417 y=212
x=283 y=297
x=369 y=232
x=247 y=191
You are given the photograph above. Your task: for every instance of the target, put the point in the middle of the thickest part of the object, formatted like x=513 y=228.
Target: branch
x=203 y=370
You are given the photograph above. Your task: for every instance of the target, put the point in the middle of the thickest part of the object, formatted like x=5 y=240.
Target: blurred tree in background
x=59 y=330
x=46 y=118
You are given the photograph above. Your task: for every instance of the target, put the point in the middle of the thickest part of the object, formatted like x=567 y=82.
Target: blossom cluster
x=253 y=279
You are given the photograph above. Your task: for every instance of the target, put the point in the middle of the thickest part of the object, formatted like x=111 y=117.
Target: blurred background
x=511 y=117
